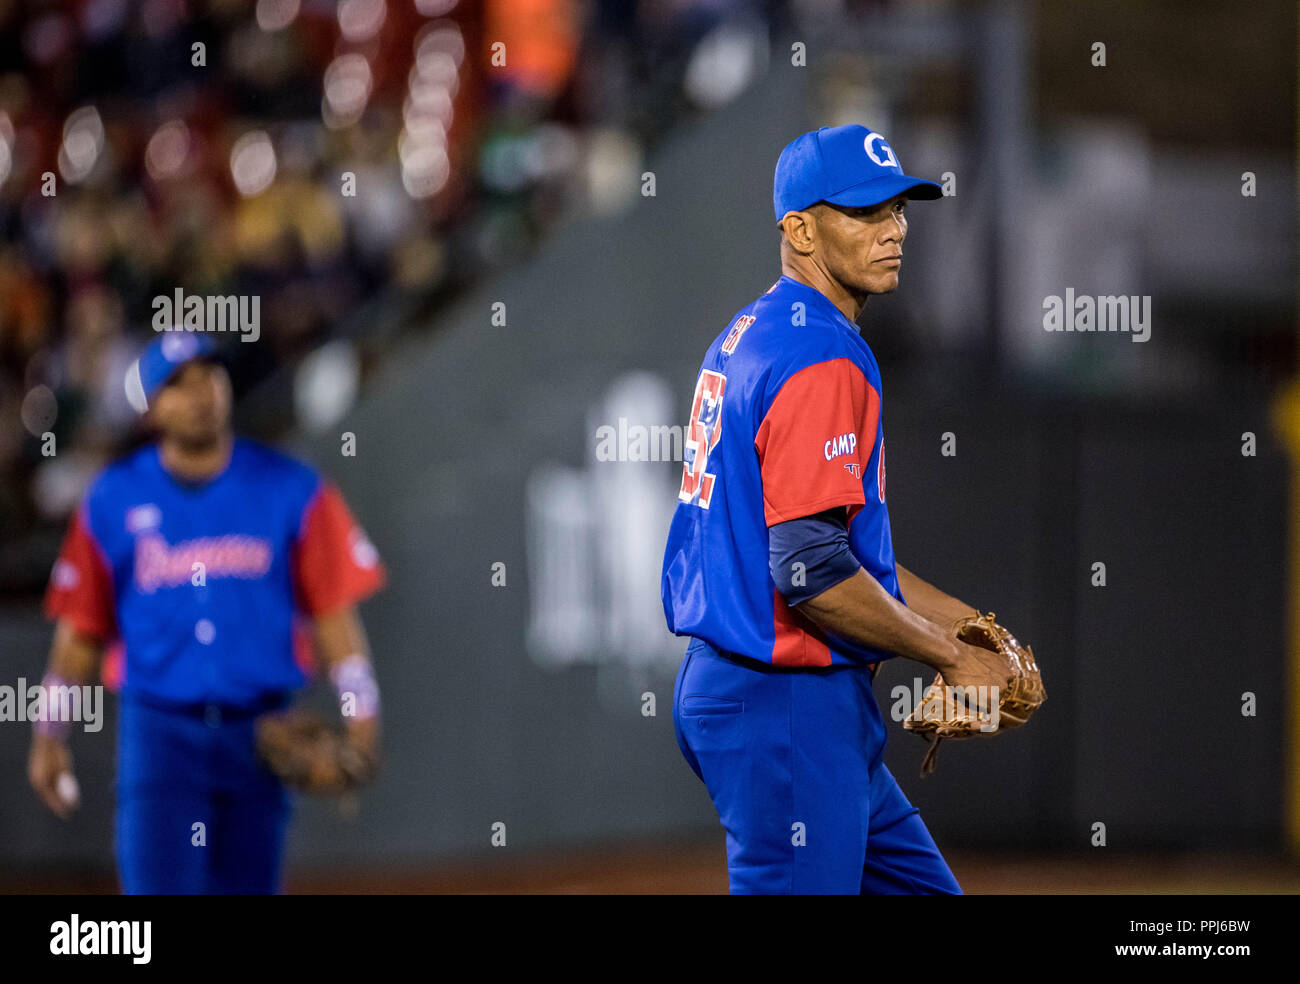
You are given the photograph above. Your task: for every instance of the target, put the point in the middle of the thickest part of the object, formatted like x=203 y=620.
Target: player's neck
x=850 y=305
x=195 y=464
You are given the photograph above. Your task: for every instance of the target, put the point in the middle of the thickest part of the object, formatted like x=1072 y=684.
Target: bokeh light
x=252 y=163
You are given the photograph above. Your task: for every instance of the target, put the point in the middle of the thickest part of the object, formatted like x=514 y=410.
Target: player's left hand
x=363 y=736
x=315 y=757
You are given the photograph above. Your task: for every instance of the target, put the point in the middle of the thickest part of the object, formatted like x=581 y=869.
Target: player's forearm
x=343 y=646
x=74 y=656
x=340 y=635
x=74 y=659
x=860 y=610
x=927 y=600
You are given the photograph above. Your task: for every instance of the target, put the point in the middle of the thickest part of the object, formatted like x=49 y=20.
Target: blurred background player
x=201 y=553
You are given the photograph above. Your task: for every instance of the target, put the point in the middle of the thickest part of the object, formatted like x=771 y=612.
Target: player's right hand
x=49 y=769
x=975 y=666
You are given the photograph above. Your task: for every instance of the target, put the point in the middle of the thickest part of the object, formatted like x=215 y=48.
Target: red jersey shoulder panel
x=334 y=562
x=81 y=584
x=814 y=440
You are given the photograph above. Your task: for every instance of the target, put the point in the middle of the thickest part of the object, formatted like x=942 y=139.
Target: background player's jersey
x=203 y=584
x=785 y=422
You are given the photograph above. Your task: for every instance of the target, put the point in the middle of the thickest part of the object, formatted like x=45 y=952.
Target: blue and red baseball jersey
x=206 y=585
x=785 y=422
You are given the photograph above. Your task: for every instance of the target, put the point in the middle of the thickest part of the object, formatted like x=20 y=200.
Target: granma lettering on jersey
x=158 y=565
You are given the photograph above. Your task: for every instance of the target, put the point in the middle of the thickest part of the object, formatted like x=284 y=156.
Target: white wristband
x=354 y=679
x=49 y=724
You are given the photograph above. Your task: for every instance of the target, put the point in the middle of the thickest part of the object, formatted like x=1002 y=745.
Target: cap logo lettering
x=890 y=160
x=178 y=348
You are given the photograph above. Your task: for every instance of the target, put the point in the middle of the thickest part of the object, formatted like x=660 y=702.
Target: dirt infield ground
x=700 y=868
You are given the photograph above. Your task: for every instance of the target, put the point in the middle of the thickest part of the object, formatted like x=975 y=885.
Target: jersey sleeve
x=816 y=439
x=334 y=563
x=81 y=585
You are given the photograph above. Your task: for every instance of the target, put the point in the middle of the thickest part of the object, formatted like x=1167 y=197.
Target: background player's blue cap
x=846 y=165
x=162 y=358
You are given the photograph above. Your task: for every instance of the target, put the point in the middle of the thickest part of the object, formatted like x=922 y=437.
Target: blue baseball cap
x=161 y=359
x=845 y=165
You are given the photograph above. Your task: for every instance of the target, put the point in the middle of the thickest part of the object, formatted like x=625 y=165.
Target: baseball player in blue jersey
x=203 y=564
x=780 y=565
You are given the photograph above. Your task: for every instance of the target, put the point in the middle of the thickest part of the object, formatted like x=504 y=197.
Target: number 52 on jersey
x=702 y=435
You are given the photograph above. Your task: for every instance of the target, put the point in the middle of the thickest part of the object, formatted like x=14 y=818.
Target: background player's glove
x=942 y=714
x=311 y=755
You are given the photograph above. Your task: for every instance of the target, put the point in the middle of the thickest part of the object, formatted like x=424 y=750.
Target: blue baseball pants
x=197 y=812
x=793 y=763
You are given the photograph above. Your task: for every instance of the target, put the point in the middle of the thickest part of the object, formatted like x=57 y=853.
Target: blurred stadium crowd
x=358 y=164
x=150 y=145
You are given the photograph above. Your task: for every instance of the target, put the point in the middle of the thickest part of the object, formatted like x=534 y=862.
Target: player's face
x=864 y=245
x=194 y=407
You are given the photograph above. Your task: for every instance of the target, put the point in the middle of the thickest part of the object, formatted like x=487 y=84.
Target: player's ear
x=800 y=230
x=221 y=373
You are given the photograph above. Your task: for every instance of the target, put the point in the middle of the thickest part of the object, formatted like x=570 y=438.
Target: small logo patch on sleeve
x=880 y=472
x=65 y=575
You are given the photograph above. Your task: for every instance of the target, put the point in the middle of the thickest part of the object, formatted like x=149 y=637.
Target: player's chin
x=200 y=435
x=883 y=284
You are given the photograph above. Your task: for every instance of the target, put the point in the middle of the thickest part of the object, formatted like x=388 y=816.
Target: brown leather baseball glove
x=944 y=712
x=311 y=755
